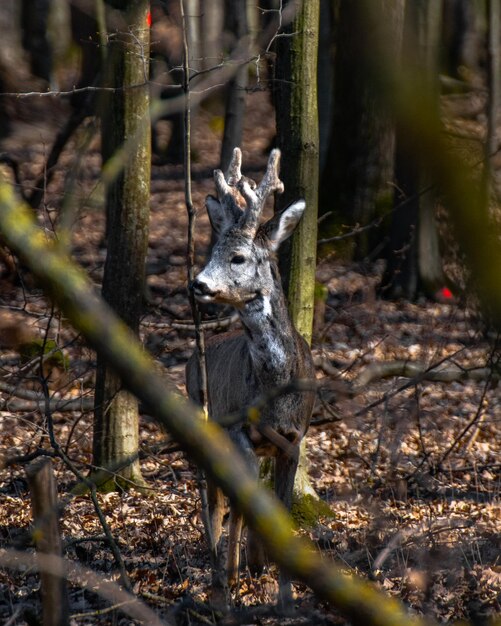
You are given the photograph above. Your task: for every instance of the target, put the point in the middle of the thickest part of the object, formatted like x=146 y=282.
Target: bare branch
x=199 y=333
x=418 y=370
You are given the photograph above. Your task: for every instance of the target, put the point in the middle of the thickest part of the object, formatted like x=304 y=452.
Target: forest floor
x=409 y=468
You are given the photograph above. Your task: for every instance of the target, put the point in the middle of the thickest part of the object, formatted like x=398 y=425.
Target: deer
x=267 y=354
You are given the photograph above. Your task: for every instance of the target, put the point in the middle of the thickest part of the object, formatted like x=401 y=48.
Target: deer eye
x=238 y=259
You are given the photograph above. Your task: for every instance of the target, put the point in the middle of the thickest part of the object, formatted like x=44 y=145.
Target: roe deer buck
x=269 y=353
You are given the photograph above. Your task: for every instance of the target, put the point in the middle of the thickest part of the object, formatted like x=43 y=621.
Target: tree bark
x=236 y=15
x=212 y=20
x=413 y=253
x=116 y=421
x=43 y=489
x=461 y=37
x=359 y=167
x=494 y=62
x=297 y=136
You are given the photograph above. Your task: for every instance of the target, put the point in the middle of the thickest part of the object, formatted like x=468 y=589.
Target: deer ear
x=217 y=215
x=281 y=226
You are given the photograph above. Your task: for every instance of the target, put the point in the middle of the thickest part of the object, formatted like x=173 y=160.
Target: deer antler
x=234 y=172
x=227 y=186
x=256 y=198
x=271 y=182
x=233 y=187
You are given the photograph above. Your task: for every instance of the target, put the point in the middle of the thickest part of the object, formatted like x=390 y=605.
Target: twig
x=214 y=80
x=475 y=468
x=214 y=324
x=334 y=417
x=13 y=618
x=28 y=400
x=323 y=363
x=199 y=335
x=105 y=611
x=68 y=543
x=23 y=459
x=200 y=617
x=74 y=121
x=156 y=598
x=411 y=535
x=217 y=323
x=474 y=434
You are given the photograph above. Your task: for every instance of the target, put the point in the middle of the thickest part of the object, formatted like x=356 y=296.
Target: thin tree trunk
x=43 y=490
x=357 y=178
x=116 y=421
x=429 y=258
x=413 y=252
x=493 y=56
x=236 y=15
x=212 y=20
x=193 y=12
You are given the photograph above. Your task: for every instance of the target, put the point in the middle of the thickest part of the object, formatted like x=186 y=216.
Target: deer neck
x=270 y=335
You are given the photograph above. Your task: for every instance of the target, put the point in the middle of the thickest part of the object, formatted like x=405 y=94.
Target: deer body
x=244 y=366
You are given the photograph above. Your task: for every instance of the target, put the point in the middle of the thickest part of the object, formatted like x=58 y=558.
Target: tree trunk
x=212 y=20
x=461 y=37
x=326 y=56
x=413 y=252
x=493 y=86
x=360 y=158
x=43 y=490
x=193 y=12
x=34 y=20
x=236 y=15
x=116 y=421
x=297 y=136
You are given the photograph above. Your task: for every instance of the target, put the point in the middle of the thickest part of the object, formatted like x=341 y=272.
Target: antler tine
x=256 y=197
x=234 y=172
x=271 y=182
x=226 y=195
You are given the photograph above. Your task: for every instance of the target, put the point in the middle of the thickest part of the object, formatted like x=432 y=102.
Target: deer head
x=242 y=265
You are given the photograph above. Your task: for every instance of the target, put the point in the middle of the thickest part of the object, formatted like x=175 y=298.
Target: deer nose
x=201 y=289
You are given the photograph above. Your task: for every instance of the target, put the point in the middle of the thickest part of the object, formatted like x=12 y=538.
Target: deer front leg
x=217 y=505
x=256 y=555
x=242 y=441
x=234 y=546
